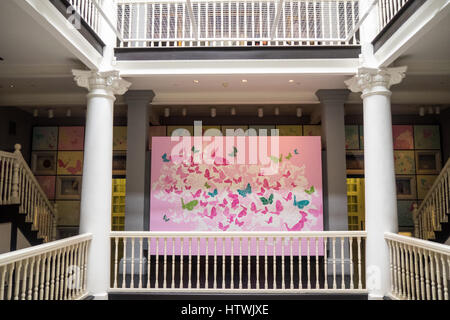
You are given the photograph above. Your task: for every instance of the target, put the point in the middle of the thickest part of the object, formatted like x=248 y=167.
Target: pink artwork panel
x=71 y=138
x=403 y=137
x=47 y=184
x=232 y=184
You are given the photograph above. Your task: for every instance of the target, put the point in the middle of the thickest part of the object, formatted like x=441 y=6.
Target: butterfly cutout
x=234 y=204
x=222 y=227
x=207 y=174
x=300 y=204
x=240 y=224
x=270 y=220
x=188 y=187
x=253 y=208
x=279 y=208
x=237 y=180
x=310 y=191
x=234 y=153
x=194 y=151
x=295 y=151
x=289 y=197
x=276 y=159
x=181 y=173
x=164 y=157
x=287 y=175
x=189 y=206
x=62 y=164
x=224 y=203
x=243 y=213
x=262 y=192
x=207 y=186
x=166 y=219
x=213 y=213
x=213 y=194
x=203 y=204
x=265 y=210
x=246 y=191
x=289 y=156
x=76 y=169
x=300 y=224
x=197 y=194
x=266 y=201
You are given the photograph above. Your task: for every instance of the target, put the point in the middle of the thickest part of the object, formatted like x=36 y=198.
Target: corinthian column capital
x=371 y=81
x=105 y=80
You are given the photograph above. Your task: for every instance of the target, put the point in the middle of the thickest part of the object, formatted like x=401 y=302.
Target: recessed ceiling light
x=11 y=86
x=196 y=81
x=291 y=81
x=244 y=80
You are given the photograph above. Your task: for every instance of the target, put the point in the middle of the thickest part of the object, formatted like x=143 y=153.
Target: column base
x=100 y=296
x=372 y=296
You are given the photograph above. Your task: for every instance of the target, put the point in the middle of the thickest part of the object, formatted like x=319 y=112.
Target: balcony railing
x=419 y=268
x=237 y=23
x=52 y=271
x=435 y=208
x=289 y=262
x=387 y=10
x=88 y=11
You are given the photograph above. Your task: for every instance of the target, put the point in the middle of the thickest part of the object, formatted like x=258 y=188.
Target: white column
x=95 y=216
x=381 y=200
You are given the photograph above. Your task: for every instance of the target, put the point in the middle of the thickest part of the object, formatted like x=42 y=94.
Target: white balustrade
x=237 y=23
x=435 y=208
x=387 y=10
x=88 y=11
x=18 y=186
x=52 y=271
x=419 y=268
x=242 y=261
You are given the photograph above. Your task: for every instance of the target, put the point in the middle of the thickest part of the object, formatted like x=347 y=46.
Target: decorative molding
x=106 y=80
x=376 y=81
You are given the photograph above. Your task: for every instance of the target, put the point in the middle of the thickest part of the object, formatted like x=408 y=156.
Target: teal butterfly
x=311 y=190
x=300 y=204
x=295 y=151
x=213 y=194
x=164 y=157
x=267 y=201
x=189 y=206
x=165 y=218
x=194 y=151
x=234 y=153
x=246 y=191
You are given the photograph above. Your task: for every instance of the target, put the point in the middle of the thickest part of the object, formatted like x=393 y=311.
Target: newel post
x=15 y=181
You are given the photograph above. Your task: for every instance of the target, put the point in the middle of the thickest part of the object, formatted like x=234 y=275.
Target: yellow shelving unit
x=355 y=204
x=118 y=205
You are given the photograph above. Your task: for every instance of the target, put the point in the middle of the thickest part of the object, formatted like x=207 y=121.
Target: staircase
x=431 y=218
x=23 y=203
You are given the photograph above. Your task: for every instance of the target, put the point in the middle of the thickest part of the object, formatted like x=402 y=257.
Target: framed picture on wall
x=68 y=213
x=68 y=188
x=43 y=163
x=427 y=137
x=404 y=162
x=290 y=130
x=406 y=187
x=355 y=162
x=119 y=163
x=47 y=184
x=428 y=162
x=424 y=184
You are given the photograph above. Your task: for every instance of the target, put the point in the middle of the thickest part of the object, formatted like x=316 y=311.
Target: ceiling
x=36 y=73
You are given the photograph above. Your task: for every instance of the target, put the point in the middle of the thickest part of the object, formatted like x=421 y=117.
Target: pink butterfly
x=185 y=181
x=215 y=170
x=203 y=204
x=270 y=220
x=213 y=213
x=233 y=196
x=279 y=208
x=214 y=203
x=293 y=185
x=242 y=213
x=76 y=169
x=266 y=184
x=314 y=212
x=220 y=161
x=262 y=192
x=178 y=191
x=222 y=227
x=238 y=180
x=228 y=181
x=226 y=212
x=207 y=175
x=240 y=224
x=191 y=170
x=287 y=174
x=204 y=213
x=235 y=203
x=299 y=225
x=253 y=208
x=224 y=203
x=169 y=190
x=167 y=180
x=277 y=187
x=197 y=194
x=188 y=188
x=265 y=210
x=289 y=197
